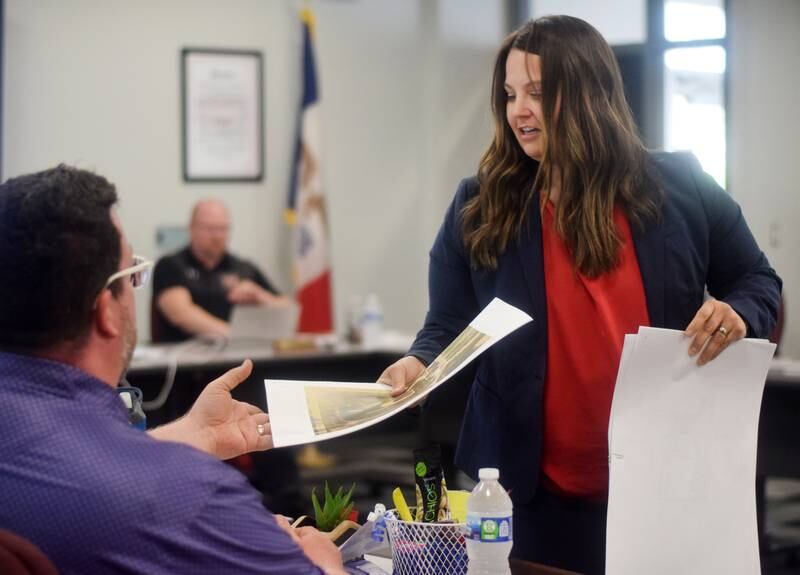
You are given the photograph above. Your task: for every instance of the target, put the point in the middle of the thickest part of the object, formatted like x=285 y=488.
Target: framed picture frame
x=222 y=96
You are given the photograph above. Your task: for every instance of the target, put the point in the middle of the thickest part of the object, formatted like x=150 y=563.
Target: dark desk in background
x=778 y=443
x=779 y=424
x=200 y=362
x=373 y=458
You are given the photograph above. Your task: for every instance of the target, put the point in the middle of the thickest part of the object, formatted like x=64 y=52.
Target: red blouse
x=587 y=320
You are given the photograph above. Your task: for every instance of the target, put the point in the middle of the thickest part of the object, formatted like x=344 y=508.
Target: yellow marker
x=401 y=505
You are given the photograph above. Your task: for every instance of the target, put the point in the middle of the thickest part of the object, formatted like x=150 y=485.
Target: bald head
x=209 y=231
x=209 y=209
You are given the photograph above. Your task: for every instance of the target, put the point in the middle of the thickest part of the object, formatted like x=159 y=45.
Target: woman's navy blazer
x=701 y=242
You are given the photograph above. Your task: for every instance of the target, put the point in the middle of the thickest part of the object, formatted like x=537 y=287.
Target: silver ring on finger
x=721 y=329
x=262 y=430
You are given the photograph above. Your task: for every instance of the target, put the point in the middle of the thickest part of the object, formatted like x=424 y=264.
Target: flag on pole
x=306 y=206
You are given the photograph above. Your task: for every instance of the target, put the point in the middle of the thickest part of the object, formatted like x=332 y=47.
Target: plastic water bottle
x=489 y=521
x=354 y=311
x=371 y=322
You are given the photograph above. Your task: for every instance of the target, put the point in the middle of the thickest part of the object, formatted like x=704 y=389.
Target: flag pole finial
x=307 y=16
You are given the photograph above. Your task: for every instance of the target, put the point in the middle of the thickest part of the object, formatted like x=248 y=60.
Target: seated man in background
x=93 y=492
x=195 y=289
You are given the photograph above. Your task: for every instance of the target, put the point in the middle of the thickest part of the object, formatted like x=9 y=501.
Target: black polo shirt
x=208 y=288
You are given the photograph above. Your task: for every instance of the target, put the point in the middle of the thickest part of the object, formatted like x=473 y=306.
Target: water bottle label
x=489 y=529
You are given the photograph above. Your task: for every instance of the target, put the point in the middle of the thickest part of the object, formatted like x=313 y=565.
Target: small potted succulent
x=335 y=515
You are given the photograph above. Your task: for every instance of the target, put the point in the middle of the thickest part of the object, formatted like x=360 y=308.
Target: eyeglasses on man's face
x=139 y=272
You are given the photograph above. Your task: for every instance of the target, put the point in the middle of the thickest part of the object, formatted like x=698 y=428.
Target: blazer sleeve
x=739 y=273
x=451 y=298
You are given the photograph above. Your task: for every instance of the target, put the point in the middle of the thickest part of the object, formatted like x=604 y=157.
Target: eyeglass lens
x=138 y=279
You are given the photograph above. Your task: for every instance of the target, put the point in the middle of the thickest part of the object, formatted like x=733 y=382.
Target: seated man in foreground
x=195 y=289
x=76 y=479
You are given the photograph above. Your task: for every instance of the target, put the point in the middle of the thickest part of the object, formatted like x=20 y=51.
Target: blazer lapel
x=530 y=255
x=649 y=245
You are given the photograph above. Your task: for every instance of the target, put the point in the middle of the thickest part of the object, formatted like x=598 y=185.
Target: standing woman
x=571 y=220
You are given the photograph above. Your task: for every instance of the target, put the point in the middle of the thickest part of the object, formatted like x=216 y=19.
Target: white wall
x=95 y=83
x=765 y=118
x=405 y=115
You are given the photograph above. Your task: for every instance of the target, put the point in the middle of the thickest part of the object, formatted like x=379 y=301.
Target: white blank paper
x=682 y=458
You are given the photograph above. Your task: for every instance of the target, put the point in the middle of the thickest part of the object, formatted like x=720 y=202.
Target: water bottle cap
x=488 y=473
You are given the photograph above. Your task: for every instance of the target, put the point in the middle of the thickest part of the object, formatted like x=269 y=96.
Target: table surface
x=198 y=353
x=784 y=371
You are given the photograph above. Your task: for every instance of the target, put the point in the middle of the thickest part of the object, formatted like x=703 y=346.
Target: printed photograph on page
x=334 y=409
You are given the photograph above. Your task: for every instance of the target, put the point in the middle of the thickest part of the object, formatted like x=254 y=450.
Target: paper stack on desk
x=682 y=457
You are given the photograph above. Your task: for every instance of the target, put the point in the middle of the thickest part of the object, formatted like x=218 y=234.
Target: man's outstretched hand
x=219 y=424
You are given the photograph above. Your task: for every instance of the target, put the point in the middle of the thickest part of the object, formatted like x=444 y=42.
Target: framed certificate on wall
x=223 y=109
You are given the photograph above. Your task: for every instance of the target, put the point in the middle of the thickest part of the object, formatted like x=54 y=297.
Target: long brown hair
x=592 y=149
